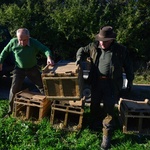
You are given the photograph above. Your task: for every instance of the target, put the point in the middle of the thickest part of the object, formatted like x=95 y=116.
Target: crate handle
x=68 y=72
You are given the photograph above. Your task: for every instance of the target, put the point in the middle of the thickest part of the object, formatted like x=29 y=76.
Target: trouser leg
x=35 y=76
x=95 y=116
x=108 y=101
x=95 y=109
x=17 y=81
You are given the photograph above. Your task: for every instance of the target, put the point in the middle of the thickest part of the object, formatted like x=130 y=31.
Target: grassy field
x=16 y=134
x=26 y=135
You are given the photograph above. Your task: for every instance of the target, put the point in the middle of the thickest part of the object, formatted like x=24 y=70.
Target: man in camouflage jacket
x=108 y=61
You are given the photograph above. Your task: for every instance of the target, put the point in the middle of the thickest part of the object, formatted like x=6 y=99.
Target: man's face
x=105 y=44
x=23 y=39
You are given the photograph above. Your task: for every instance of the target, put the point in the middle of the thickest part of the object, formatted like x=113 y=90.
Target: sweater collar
x=27 y=44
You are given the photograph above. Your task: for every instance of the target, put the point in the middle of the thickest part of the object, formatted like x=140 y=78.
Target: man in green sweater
x=108 y=59
x=24 y=49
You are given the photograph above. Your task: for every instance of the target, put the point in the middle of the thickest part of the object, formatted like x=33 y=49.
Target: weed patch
x=25 y=135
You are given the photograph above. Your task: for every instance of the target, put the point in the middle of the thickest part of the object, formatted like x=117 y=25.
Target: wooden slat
x=60 y=68
x=28 y=104
x=134 y=105
x=133 y=115
x=59 y=78
x=24 y=101
x=67 y=109
x=137 y=106
x=64 y=97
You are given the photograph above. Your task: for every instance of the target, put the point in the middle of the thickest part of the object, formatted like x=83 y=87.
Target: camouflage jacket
x=120 y=62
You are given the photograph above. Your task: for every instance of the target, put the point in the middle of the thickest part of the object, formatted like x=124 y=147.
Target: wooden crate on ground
x=74 y=103
x=66 y=114
x=64 y=81
x=134 y=116
x=31 y=105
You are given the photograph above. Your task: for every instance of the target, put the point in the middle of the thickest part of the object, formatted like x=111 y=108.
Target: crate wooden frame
x=64 y=84
x=134 y=116
x=66 y=109
x=27 y=103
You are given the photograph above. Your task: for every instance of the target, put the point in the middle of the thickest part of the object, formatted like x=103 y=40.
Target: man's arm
x=82 y=51
x=5 y=52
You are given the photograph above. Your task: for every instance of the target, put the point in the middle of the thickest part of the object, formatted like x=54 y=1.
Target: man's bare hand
x=50 y=61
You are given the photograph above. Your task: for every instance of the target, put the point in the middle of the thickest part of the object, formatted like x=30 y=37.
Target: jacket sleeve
x=81 y=52
x=85 y=51
x=5 y=52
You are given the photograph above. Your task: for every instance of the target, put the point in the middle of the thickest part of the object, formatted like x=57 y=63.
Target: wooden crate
x=67 y=115
x=74 y=103
x=134 y=116
x=64 y=81
x=31 y=105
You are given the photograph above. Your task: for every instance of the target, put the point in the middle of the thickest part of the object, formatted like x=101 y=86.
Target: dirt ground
x=139 y=92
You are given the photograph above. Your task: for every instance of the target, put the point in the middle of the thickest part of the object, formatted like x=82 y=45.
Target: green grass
x=142 y=77
x=16 y=134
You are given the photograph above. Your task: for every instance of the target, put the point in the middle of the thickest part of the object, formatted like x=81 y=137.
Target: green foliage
x=133 y=28
x=3 y=107
x=25 y=135
x=142 y=77
x=73 y=23
x=12 y=14
x=66 y=25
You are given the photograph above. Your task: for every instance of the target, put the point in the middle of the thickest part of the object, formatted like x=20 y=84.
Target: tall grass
x=142 y=76
x=16 y=134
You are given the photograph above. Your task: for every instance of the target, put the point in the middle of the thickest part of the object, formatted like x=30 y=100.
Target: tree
x=66 y=25
x=134 y=28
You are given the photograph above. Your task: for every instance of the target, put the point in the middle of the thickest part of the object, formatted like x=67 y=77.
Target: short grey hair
x=23 y=31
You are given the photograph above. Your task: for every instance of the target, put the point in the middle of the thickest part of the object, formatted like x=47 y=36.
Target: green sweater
x=25 y=56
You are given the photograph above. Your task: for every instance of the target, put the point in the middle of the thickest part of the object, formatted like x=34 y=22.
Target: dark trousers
x=102 y=92
x=18 y=78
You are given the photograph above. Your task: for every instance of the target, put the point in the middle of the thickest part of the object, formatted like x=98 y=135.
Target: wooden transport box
x=64 y=81
x=134 y=116
x=75 y=103
x=67 y=115
x=30 y=105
